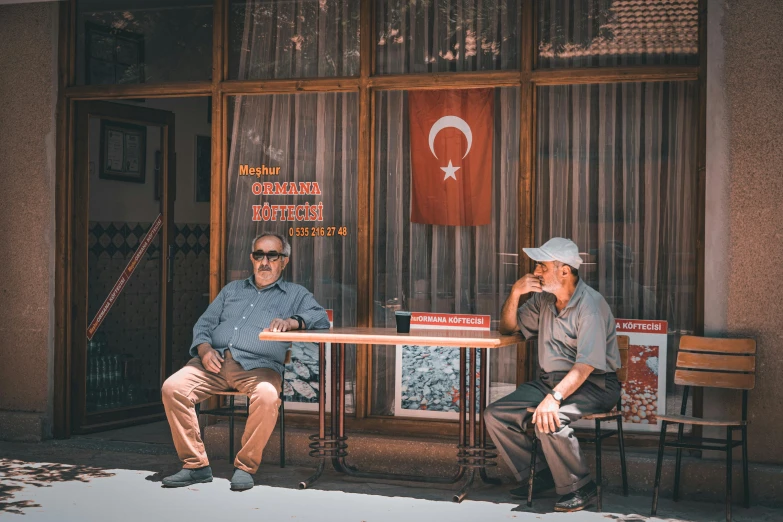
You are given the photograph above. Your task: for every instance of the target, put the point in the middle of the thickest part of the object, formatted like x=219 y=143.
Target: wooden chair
x=231 y=412
x=713 y=363
x=616 y=414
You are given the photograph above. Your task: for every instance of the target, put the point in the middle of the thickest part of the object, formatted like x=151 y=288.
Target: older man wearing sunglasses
x=228 y=355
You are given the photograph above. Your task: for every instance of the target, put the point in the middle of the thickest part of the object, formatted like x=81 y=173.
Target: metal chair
x=714 y=363
x=231 y=412
x=616 y=414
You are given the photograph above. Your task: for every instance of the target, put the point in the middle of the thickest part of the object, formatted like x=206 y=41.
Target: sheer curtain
x=616 y=173
x=429 y=268
x=293 y=39
x=416 y=36
x=311 y=137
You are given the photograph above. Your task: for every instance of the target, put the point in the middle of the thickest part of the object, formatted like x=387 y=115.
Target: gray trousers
x=506 y=420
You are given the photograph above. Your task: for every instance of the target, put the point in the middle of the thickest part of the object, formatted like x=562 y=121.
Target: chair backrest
x=716 y=363
x=622 y=344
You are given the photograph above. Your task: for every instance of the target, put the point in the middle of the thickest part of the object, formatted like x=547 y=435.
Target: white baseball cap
x=556 y=249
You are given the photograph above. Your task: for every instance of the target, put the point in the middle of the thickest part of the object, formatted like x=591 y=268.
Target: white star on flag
x=450 y=170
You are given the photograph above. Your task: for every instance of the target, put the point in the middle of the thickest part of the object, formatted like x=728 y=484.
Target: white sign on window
x=300 y=381
x=427 y=377
x=644 y=391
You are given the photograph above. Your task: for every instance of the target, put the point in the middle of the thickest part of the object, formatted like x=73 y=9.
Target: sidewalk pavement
x=88 y=480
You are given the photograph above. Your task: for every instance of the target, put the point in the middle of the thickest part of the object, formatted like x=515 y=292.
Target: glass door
x=123 y=261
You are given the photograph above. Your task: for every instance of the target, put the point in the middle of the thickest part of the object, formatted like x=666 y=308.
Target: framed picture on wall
x=123 y=154
x=203 y=168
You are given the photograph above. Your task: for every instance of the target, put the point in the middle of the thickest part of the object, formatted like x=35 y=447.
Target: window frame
x=367 y=84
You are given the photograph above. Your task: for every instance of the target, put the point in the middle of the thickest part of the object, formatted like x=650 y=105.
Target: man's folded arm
x=591 y=342
x=206 y=324
x=527 y=316
x=312 y=313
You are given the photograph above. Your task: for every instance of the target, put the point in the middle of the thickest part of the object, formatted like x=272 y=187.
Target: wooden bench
x=713 y=363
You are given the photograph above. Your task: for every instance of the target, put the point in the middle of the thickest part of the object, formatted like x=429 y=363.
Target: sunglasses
x=272 y=256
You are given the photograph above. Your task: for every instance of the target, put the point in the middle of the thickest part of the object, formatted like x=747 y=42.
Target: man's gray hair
x=283 y=241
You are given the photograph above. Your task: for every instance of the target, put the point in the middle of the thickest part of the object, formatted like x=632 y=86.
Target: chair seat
x=592 y=416
x=228 y=392
x=602 y=415
x=684 y=419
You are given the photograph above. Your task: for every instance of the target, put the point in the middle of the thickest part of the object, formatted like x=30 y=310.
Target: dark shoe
x=579 y=499
x=241 y=481
x=543 y=481
x=188 y=477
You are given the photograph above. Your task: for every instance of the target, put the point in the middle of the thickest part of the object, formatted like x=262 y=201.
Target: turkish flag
x=451 y=156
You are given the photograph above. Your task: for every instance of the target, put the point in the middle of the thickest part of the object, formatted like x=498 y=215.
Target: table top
x=419 y=336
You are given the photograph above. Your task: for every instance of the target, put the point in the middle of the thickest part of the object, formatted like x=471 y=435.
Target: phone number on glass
x=317 y=231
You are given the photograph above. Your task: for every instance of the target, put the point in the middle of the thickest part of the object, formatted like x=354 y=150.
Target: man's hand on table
x=282 y=325
x=545 y=416
x=210 y=358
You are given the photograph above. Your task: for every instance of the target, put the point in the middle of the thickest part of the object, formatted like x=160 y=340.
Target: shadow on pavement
x=17 y=474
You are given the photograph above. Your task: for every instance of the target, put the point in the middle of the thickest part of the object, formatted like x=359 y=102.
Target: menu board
x=300 y=381
x=427 y=377
x=644 y=391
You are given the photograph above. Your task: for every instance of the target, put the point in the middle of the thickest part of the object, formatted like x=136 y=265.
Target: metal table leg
x=473 y=451
x=352 y=471
x=322 y=446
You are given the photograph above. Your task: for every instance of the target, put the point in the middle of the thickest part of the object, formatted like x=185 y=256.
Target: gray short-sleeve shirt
x=583 y=332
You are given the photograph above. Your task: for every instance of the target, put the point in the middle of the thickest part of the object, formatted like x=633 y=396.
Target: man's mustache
x=265 y=269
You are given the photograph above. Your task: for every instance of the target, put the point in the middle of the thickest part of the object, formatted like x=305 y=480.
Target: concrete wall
x=744 y=232
x=28 y=80
x=754 y=96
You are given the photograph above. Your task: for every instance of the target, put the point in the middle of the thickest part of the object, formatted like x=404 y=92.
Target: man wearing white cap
x=578 y=356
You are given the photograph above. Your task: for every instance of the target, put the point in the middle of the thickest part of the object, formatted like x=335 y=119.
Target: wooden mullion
x=525 y=194
x=68 y=40
x=527 y=38
x=463 y=80
x=217 y=198
x=340 y=84
x=222 y=7
x=640 y=73
x=364 y=208
x=140 y=90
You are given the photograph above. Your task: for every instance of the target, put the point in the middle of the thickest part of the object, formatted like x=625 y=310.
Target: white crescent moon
x=450 y=121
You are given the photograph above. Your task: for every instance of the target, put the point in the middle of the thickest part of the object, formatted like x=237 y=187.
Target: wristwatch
x=298 y=320
x=557 y=395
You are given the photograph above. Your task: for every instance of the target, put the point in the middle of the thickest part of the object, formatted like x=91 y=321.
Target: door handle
x=171 y=264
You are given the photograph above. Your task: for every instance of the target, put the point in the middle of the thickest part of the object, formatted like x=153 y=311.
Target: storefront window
x=590 y=33
x=447 y=36
x=293 y=39
x=438 y=268
x=616 y=173
x=293 y=170
x=139 y=41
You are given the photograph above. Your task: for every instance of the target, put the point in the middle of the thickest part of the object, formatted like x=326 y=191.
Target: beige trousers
x=193 y=384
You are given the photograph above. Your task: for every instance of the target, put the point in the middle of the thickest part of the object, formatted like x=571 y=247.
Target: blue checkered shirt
x=239 y=313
